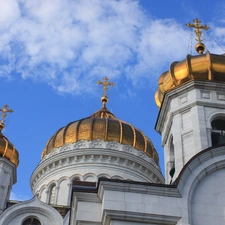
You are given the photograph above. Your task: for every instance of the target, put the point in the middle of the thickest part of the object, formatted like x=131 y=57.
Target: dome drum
x=90 y=160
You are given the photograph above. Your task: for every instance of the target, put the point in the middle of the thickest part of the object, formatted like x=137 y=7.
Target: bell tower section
x=191 y=99
x=191 y=119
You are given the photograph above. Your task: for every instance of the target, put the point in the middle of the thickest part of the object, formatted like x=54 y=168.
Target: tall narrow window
x=52 y=195
x=172 y=159
x=218 y=131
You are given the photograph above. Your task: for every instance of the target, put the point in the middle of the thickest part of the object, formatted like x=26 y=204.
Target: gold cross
x=5 y=110
x=198 y=26
x=105 y=84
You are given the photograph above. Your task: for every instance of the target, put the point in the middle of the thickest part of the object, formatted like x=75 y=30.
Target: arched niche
x=52 y=194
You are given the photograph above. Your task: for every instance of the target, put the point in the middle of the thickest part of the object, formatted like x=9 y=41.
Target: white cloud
x=71 y=43
x=9 y=13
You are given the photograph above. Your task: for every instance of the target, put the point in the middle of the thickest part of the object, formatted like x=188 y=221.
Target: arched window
x=31 y=221
x=52 y=195
x=218 y=131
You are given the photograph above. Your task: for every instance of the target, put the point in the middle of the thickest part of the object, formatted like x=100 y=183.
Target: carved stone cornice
x=97 y=154
x=99 y=144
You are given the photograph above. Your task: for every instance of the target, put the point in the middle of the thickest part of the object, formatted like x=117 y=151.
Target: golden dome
x=200 y=67
x=105 y=126
x=7 y=149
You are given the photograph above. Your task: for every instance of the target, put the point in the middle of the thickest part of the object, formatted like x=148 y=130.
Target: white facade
x=185 y=121
x=197 y=198
x=129 y=186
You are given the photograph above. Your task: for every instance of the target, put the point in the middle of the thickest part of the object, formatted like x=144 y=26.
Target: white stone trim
x=94 y=159
x=164 y=190
x=111 y=155
x=98 y=144
x=182 y=90
x=142 y=167
x=109 y=215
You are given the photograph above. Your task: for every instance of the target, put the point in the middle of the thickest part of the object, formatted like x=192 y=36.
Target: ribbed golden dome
x=200 y=67
x=105 y=126
x=7 y=149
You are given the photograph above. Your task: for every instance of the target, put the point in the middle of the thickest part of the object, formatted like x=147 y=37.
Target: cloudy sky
x=52 y=52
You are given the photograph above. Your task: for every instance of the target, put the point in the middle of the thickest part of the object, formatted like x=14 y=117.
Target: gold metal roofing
x=105 y=126
x=200 y=67
x=7 y=149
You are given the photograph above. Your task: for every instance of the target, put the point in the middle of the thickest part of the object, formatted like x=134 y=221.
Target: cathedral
x=101 y=170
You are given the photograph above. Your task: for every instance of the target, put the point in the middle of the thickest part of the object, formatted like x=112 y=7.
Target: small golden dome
x=7 y=149
x=200 y=67
x=105 y=126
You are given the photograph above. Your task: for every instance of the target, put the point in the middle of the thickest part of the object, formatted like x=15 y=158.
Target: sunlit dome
x=207 y=66
x=210 y=67
x=102 y=125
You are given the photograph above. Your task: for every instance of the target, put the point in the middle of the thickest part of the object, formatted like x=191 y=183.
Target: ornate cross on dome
x=200 y=47
x=198 y=26
x=105 y=84
x=4 y=111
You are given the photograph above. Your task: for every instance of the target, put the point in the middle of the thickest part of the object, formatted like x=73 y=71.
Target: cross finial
x=198 y=27
x=4 y=111
x=105 y=84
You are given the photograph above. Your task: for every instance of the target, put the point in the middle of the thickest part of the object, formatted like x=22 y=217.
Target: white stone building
x=101 y=170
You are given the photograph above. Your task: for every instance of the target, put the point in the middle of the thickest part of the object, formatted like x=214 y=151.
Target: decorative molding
x=205 y=94
x=147 y=170
x=87 y=197
x=204 y=86
x=112 y=155
x=109 y=215
x=183 y=99
x=160 y=127
x=98 y=144
x=152 y=189
x=221 y=96
x=185 y=119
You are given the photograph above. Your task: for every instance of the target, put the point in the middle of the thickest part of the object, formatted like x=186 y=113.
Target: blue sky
x=52 y=53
